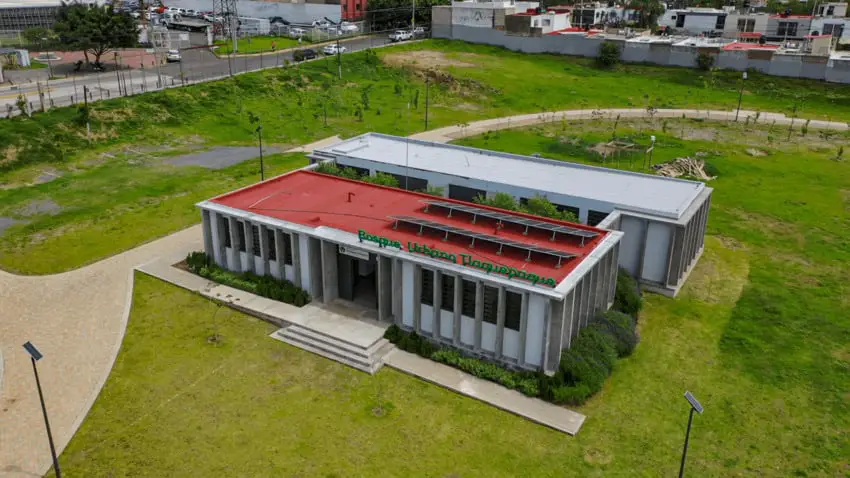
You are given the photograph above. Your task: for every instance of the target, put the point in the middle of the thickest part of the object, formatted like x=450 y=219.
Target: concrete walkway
x=451 y=133
x=78 y=318
x=463 y=383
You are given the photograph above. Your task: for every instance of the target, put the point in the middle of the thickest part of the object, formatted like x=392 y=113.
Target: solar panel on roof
x=422 y=223
x=527 y=222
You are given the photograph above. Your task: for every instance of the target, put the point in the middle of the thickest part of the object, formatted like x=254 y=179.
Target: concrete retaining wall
x=794 y=66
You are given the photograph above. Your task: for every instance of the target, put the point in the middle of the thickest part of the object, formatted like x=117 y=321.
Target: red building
x=353 y=10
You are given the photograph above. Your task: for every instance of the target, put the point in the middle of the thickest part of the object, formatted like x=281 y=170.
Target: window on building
x=287 y=249
x=345 y=7
x=427 y=287
x=240 y=235
x=491 y=304
x=272 y=246
x=225 y=223
x=787 y=29
x=447 y=293
x=513 y=310
x=680 y=21
x=570 y=209
x=547 y=22
x=746 y=25
x=255 y=240
x=357 y=7
x=721 y=22
x=463 y=193
x=595 y=217
x=830 y=10
x=468 y=298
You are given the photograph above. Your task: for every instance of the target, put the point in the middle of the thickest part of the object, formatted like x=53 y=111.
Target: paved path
x=78 y=318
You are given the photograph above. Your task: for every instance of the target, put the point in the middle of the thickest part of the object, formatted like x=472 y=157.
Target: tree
x=37 y=35
x=609 y=55
x=648 y=12
x=94 y=29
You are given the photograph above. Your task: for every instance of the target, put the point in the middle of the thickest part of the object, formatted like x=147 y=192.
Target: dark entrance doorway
x=358 y=277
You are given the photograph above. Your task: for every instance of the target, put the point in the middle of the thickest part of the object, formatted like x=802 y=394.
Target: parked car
x=400 y=35
x=333 y=49
x=172 y=56
x=347 y=27
x=191 y=13
x=296 y=32
x=306 y=54
x=419 y=32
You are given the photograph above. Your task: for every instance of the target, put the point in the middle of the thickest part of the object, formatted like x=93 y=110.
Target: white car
x=297 y=33
x=333 y=49
x=173 y=56
x=400 y=35
x=346 y=27
x=191 y=13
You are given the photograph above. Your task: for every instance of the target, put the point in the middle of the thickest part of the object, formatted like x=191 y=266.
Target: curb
x=286 y=50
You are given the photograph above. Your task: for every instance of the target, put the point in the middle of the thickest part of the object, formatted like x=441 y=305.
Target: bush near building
x=609 y=55
x=265 y=286
x=583 y=369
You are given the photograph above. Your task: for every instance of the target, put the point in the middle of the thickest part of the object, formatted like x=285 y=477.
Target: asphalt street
x=198 y=64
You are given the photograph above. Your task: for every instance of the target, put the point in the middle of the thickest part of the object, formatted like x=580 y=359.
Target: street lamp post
x=695 y=407
x=260 y=137
x=740 y=96
x=35 y=355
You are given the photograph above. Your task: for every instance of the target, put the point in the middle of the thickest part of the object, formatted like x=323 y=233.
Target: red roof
x=738 y=46
x=313 y=199
x=749 y=35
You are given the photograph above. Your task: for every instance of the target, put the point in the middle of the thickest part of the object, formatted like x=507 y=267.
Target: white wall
x=407 y=271
x=535 y=329
x=658 y=239
x=473 y=17
x=426 y=318
x=488 y=336
x=630 y=244
x=447 y=320
x=510 y=343
x=304 y=257
x=467 y=330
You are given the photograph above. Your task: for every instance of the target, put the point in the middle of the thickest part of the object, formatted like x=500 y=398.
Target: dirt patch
x=702 y=134
x=48 y=175
x=756 y=153
x=40 y=206
x=220 y=157
x=9 y=156
x=610 y=148
x=424 y=60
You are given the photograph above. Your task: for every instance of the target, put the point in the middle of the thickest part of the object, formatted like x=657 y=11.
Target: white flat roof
x=656 y=195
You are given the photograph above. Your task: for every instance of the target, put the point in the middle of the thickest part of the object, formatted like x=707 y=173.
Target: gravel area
x=40 y=206
x=219 y=157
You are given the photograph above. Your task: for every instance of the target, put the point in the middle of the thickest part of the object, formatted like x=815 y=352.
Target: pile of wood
x=689 y=167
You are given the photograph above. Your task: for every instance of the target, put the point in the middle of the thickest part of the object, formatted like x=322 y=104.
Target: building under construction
x=19 y=15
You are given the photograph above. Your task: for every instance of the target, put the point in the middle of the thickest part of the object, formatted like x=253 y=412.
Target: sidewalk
x=533 y=409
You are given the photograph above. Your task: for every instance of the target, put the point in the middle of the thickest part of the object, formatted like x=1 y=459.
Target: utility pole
x=427 y=100
x=338 y=59
x=182 y=76
x=88 y=125
x=117 y=75
x=413 y=19
x=262 y=167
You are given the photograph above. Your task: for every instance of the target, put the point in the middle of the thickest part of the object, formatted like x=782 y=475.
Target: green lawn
x=259 y=44
x=304 y=103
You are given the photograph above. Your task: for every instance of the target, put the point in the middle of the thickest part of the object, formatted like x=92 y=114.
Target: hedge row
x=584 y=366
x=265 y=286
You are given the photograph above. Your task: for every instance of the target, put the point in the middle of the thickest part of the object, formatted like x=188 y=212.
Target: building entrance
x=358 y=278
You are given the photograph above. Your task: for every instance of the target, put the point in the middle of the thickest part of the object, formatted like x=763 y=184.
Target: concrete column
x=523 y=328
x=458 y=311
x=314 y=253
x=675 y=266
x=569 y=319
x=385 y=285
x=555 y=322
x=330 y=278
x=615 y=269
x=234 y=262
x=479 y=313
x=397 y=291
x=417 y=299
x=207 y=224
x=218 y=238
x=279 y=253
x=438 y=304
x=500 y=322
x=295 y=244
x=643 y=248
x=249 y=245
x=265 y=267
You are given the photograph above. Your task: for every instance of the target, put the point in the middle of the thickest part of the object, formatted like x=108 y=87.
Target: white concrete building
x=663 y=219
x=501 y=285
x=695 y=21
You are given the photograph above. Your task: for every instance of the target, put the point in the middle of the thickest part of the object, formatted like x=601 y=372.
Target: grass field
x=758 y=333
x=382 y=91
x=259 y=44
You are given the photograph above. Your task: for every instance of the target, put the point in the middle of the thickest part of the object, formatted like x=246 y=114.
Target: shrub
x=572 y=394
x=577 y=369
x=627 y=297
x=705 y=61
x=265 y=286
x=621 y=327
x=593 y=344
x=609 y=55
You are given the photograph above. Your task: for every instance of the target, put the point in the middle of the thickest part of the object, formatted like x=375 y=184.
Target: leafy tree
x=94 y=29
x=37 y=35
x=609 y=54
x=648 y=12
x=705 y=61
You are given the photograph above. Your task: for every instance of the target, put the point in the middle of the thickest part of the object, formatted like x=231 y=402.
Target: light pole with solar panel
x=695 y=407
x=35 y=356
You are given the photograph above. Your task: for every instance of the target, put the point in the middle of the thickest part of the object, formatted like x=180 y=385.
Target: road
x=198 y=65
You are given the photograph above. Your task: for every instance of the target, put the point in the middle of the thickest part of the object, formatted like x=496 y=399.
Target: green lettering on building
x=466 y=259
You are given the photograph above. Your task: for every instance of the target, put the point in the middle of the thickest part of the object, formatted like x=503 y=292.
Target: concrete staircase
x=366 y=357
